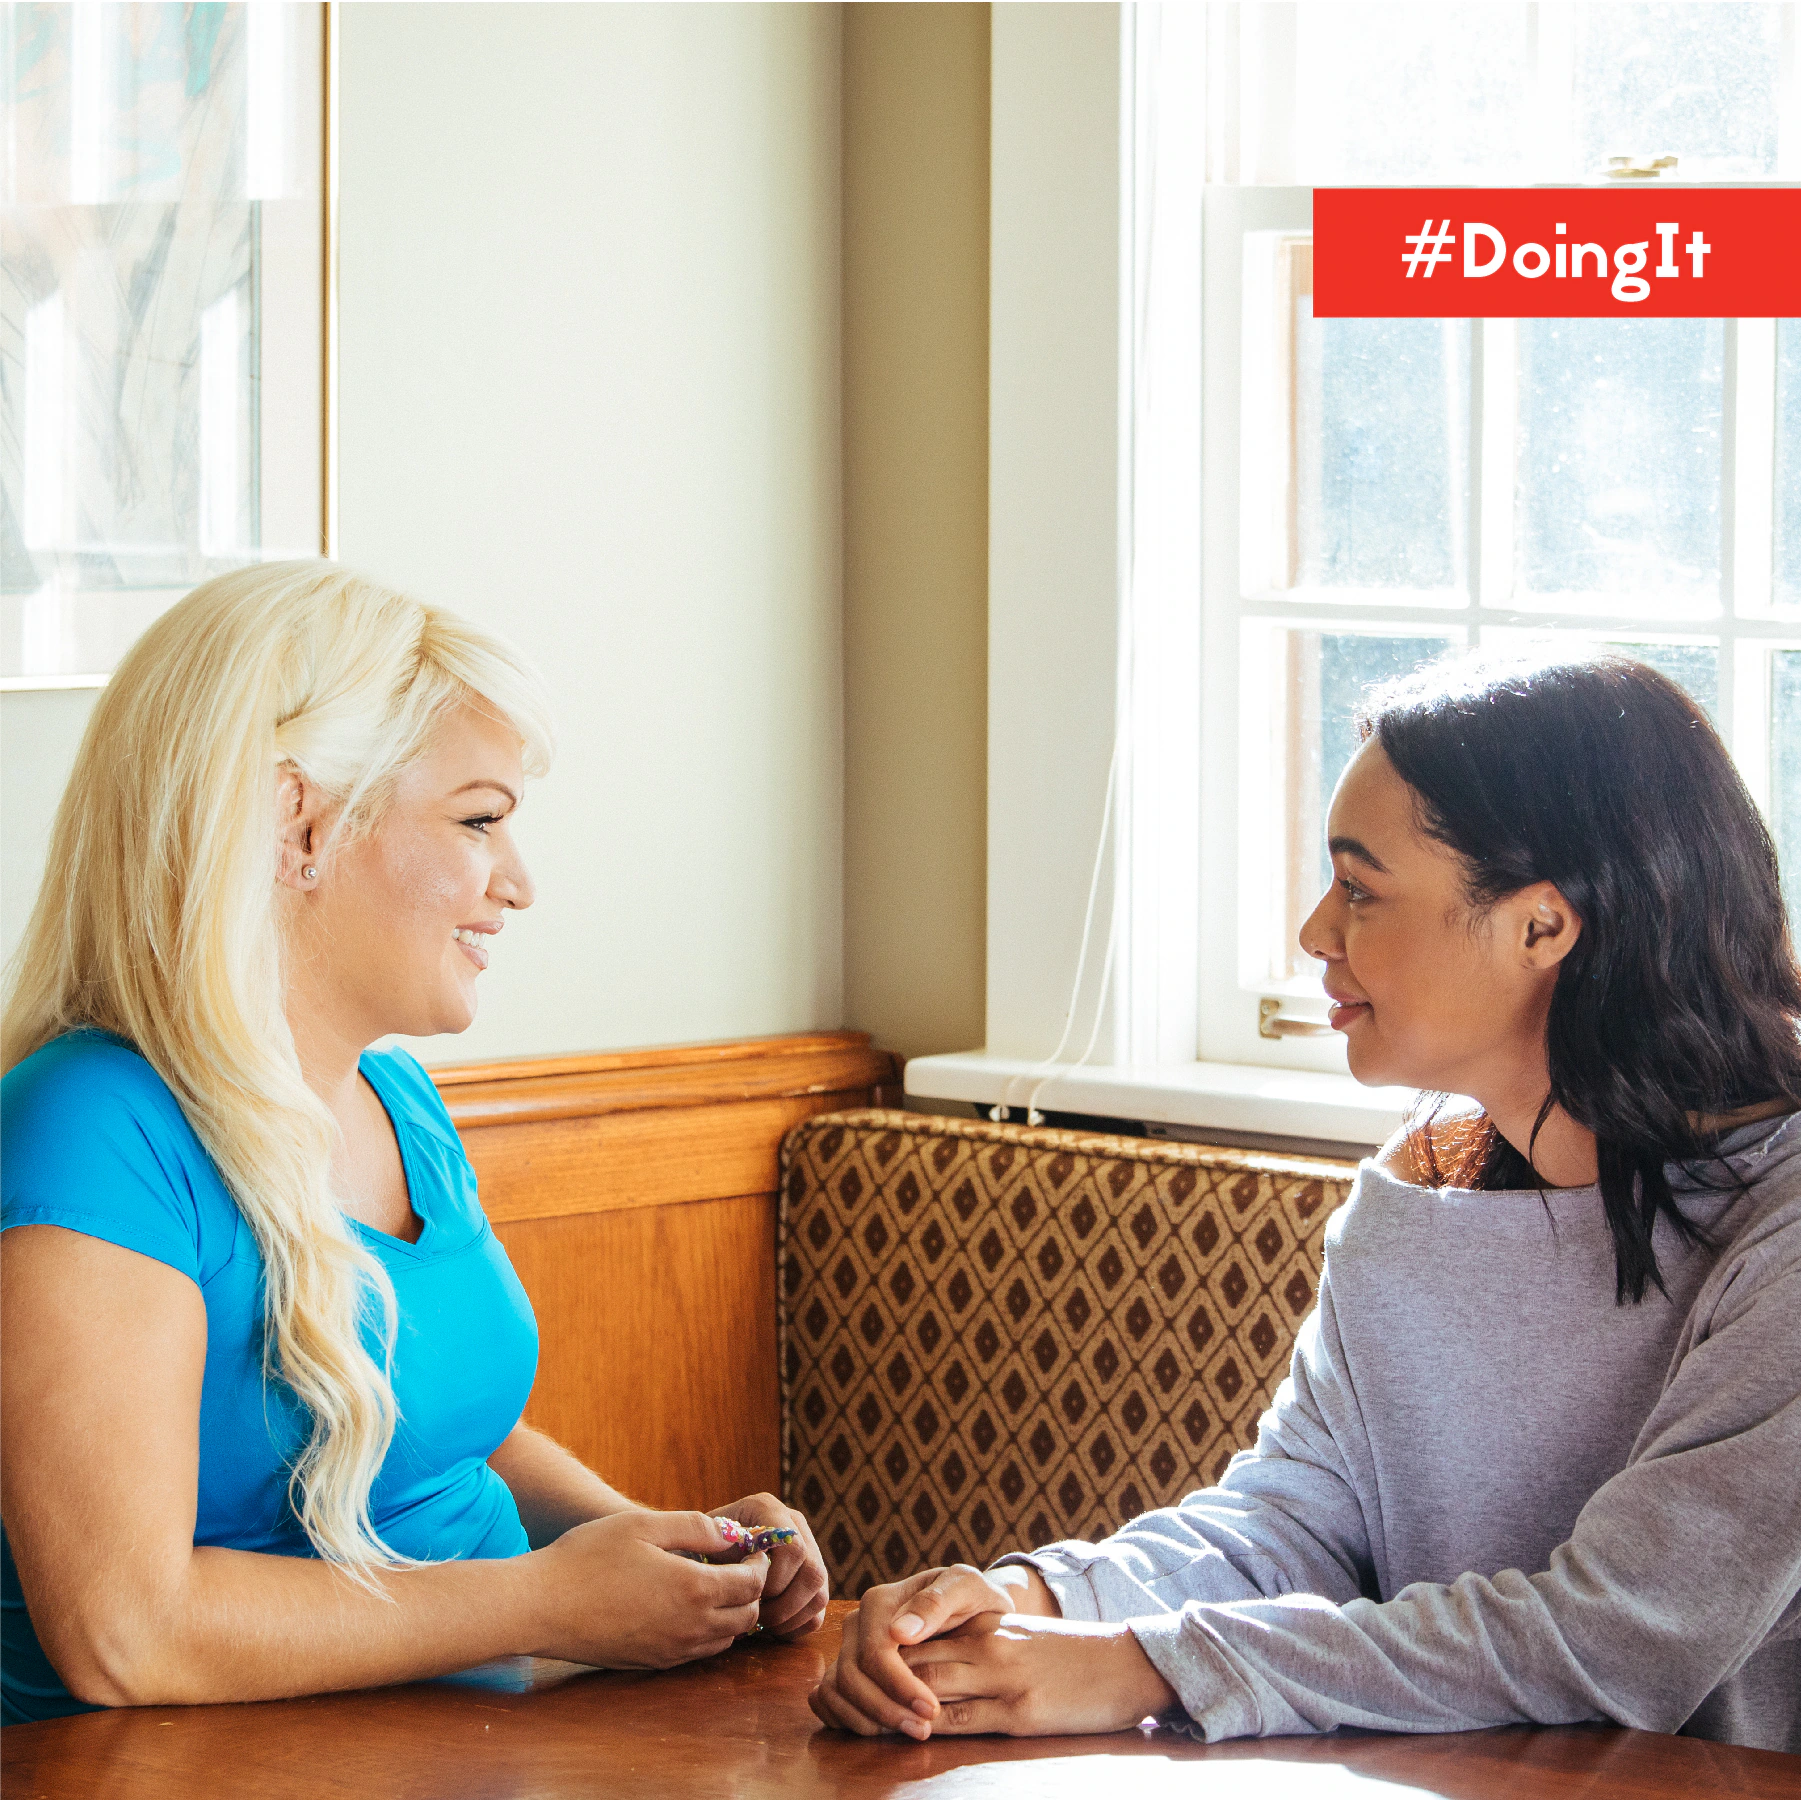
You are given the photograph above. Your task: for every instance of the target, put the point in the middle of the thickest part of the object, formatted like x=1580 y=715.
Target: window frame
x=1093 y=752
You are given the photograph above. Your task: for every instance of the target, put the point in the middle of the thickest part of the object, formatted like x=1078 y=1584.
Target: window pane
x=1382 y=422
x=1785 y=775
x=1349 y=666
x=1788 y=462
x=1699 y=81
x=1427 y=93
x=1695 y=668
x=1619 y=464
x=1324 y=675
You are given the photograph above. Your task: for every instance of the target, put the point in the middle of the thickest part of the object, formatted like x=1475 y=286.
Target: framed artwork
x=166 y=276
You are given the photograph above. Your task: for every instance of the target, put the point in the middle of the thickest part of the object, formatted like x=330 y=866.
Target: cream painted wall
x=589 y=391
x=915 y=521
x=590 y=309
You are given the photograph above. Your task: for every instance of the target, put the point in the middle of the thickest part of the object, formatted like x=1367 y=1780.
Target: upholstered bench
x=992 y=1336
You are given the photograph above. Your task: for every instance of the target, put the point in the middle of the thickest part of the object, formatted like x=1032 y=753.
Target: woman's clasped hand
x=960 y=1652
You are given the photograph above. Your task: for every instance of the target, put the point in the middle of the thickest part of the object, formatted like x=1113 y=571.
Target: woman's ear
x=296 y=829
x=1548 y=925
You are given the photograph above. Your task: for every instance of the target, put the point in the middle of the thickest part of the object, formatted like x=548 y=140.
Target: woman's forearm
x=245 y=1626
x=260 y=1627
x=252 y=1627
x=553 y=1491
x=623 y=1592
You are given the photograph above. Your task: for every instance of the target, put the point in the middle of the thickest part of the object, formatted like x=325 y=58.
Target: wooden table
x=739 y=1726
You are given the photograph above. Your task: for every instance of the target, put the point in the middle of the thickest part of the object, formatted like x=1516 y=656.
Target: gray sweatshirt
x=1486 y=1494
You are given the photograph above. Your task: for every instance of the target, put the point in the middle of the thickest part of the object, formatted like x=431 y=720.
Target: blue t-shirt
x=95 y=1142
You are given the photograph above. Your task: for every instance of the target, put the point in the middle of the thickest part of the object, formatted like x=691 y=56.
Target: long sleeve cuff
x=1067 y=1577
x=1091 y=1587
x=1098 y=1581
x=1216 y=1704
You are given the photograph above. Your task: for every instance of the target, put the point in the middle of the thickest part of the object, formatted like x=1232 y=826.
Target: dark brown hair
x=1680 y=1002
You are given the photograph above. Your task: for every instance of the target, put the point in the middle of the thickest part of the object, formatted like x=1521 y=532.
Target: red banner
x=1640 y=251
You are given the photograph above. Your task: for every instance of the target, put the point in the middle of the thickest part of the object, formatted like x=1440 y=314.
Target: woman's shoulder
x=1383 y=1202
x=443 y=1178
x=96 y=1142
x=80 y=1079
x=1420 y=1153
x=1761 y=1218
x=1405 y=1194
x=1400 y=1158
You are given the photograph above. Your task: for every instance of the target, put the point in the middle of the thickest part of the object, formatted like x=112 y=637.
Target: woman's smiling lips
x=1346 y=1011
x=469 y=941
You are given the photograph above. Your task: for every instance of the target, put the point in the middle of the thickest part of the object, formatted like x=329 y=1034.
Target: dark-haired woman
x=1538 y=1457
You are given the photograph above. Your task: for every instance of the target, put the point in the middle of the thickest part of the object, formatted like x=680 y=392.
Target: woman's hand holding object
x=620 y=1593
x=795 y=1592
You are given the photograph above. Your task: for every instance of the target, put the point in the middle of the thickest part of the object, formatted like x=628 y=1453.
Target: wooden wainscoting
x=635 y=1192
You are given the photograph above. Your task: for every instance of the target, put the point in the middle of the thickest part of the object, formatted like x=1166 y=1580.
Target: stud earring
x=310 y=873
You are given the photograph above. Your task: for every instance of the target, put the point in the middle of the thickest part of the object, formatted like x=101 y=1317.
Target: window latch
x=1638 y=168
x=1271 y=1024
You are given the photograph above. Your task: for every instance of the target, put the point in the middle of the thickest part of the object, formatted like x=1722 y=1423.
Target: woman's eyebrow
x=1350 y=846
x=500 y=787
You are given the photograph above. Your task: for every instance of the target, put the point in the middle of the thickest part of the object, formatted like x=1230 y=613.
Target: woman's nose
x=1321 y=937
x=512 y=884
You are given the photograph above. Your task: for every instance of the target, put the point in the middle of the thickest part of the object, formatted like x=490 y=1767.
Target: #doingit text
x=1485 y=250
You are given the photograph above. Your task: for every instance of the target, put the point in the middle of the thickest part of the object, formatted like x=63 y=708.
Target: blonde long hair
x=157 y=921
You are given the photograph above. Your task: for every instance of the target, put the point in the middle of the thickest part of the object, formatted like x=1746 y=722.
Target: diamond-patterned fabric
x=993 y=1337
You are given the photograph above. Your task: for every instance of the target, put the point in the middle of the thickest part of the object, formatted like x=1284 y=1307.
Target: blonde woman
x=265 y=1361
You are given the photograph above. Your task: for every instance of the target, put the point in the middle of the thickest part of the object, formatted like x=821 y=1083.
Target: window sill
x=1231 y=1097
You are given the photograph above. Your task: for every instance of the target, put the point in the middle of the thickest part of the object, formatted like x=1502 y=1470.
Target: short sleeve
x=96 y=1143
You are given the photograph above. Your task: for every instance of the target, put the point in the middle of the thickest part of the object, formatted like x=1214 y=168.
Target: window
x=161 y=314
x=1403 y=489
x=1372 y=493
